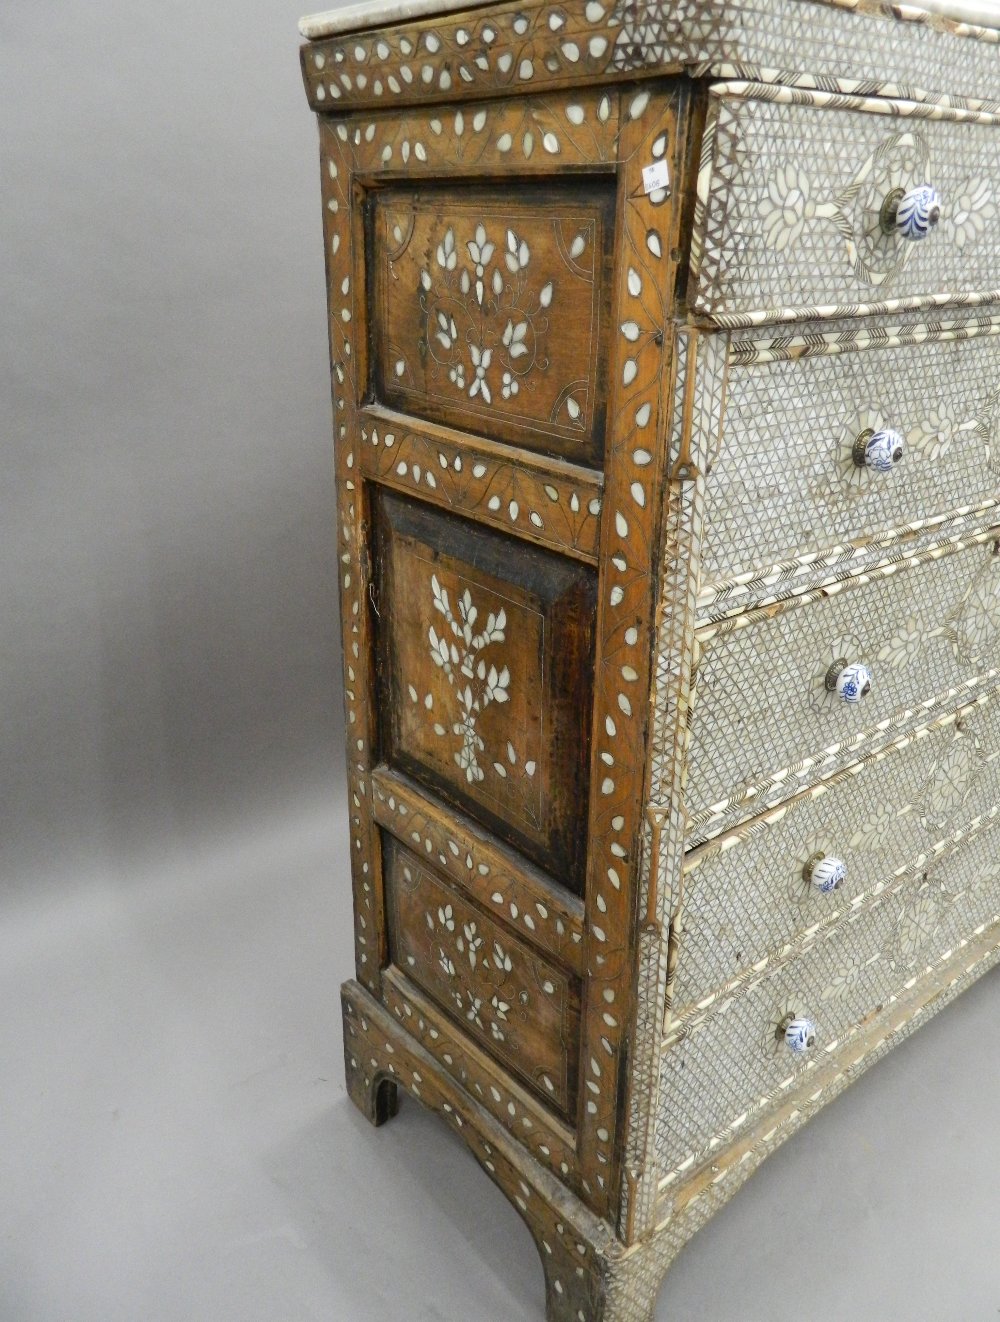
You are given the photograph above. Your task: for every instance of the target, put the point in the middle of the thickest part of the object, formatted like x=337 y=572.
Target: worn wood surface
x=546 y=501
x=485 y=677
x=516 y=892
x=491 y=311
x=521 y=1008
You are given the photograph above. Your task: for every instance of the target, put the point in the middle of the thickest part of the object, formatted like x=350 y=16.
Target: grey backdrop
x=168 y=594
x=175 y=1142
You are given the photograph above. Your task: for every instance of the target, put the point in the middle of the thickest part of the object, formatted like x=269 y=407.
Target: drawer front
x=795 y=197
x=734 y=1062
x=522 y=1009
x=764 y=719
x=751 y=892
x=790 y=476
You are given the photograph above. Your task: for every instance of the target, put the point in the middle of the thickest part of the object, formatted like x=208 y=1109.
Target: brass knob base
x=859 y=449
x=833 y=674
x=887 y=214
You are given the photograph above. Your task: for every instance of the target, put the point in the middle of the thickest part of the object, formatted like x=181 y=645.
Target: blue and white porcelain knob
x=800 y=1036
x=917 y=212
x=826 y=873
x=851 y=681
x=879 y=450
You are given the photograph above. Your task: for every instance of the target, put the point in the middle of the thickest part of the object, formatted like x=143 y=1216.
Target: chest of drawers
x=665 y=343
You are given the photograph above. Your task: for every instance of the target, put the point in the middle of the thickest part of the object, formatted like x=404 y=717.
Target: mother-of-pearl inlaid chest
x=665 y=342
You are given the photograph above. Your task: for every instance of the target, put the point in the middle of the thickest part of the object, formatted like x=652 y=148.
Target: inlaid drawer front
x=793 y=690
x=485 y=649
x=797 y=471
x=493 y=309
x=735 y=1060
x=522 y=1009
x=786 y=875
x=809 y=202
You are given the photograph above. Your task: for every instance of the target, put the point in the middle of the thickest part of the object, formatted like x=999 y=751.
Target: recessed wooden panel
x=522 y=1009
x=486 y=675
x=492 y=309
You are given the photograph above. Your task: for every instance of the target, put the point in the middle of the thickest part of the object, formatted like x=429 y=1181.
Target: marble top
x=381 y=13
x=986 y=13
x=378 y=14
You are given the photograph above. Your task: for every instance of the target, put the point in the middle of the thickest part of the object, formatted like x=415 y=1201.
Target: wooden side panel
x=486 y=677
x=491 y=310
x=592 y=815
x=522 y=1009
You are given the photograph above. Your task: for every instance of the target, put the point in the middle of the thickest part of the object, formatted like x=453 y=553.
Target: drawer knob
x=851 y=681
x=800 y=1035
x=917 y=212
x=825 y=872
x=879 y=450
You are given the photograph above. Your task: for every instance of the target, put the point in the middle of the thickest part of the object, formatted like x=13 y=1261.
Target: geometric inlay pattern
x=747 y=896
x=762 y=708
x=790 y=197
x=784 y=480
x=718 y=1077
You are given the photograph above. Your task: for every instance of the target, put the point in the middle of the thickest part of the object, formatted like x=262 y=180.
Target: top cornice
x=403 y=52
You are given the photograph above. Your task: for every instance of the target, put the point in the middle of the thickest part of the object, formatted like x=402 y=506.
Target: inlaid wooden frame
x=617 y=132
x=512 y=49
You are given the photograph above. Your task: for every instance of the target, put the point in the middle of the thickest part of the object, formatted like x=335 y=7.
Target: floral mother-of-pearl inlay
x=794 y=201
x=952 y=779
x=465 y=942
x=459 y=665
x=477 y=683
x=494 y=985
x=486 y=323
x=973 y=625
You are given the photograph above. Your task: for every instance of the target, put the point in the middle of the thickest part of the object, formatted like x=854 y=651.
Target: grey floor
x=176 y=1144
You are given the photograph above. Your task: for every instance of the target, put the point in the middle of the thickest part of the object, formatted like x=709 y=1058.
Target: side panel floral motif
x=457 y=657
x=526 y=327
x=491 y=316
x=463 y=712
x=485 y=677
x=525 y=1010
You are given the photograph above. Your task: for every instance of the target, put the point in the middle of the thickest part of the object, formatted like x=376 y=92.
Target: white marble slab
x=378 y=14
x=984 y=12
